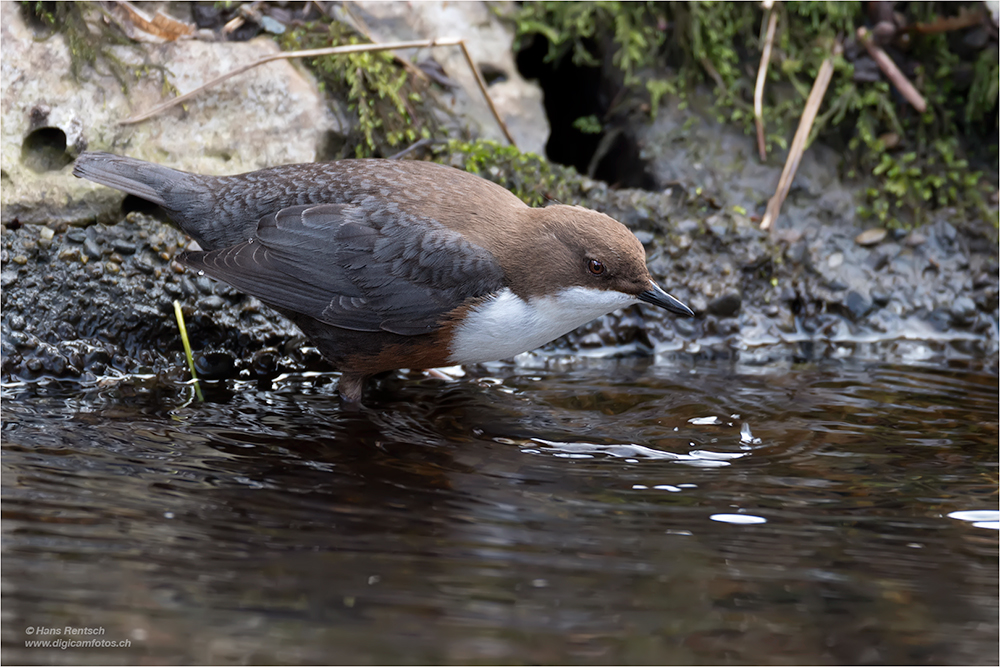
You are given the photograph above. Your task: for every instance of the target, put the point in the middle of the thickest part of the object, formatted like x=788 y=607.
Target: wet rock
x=204 y=284
x=963 y=310
x=92 y=250
x=685 y=327
x=837 y=285
x=78 y=308
x=188 y=288
x=123 y=247
x=265 y=362
x=212 y=303
x=947 y=231
x=8 y=278
x=797 y=252
x=718 y=225
x=857 y=305
x=726 y=305
x=879 y=298
x=215 y=365
x=877 y=260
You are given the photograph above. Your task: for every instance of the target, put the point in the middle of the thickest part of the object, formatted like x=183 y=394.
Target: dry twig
x=329 y=51
x=892 y=72
x=966 y=19
x=139 y=26
x=799 y=142
x=359 y=26
x=758 y=92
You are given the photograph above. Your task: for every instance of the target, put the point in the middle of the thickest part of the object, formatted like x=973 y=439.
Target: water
x=594 y=512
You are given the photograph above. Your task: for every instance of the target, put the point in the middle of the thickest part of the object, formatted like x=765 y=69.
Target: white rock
x=271 y=115
x=489 y=41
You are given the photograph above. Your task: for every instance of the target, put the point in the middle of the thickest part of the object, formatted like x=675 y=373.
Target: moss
x=916 y=160
x=378 y=90
x=535 y=180
x=90 y=39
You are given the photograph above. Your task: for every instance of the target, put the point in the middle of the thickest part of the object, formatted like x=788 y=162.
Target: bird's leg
x=351 y=386
x=447 y=373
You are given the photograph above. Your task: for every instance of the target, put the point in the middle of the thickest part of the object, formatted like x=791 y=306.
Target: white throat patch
x=507 y=325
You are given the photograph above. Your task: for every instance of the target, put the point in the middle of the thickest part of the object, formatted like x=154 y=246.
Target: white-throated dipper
x=389 y=264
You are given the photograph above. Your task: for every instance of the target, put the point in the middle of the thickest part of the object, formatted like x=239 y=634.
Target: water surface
x=602 y=511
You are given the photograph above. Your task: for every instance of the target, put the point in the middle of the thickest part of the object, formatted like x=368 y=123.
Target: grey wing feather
x=356 y=269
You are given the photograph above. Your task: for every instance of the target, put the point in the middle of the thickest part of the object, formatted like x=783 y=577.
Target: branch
x=801 y=136
x=329 y=51
x=758 y=92
x=892 y=72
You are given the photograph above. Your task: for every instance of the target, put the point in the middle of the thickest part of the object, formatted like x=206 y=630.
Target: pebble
x=963 y=309
x=215 y=365
x=212 y=303
x=857 y=305
x=645 y=238
x=726 y=305
x=684 y=327
x=835 y=260
x=870 y=236
x=124 y=247
x=948 y=231
x=796 y=252
x=91 y=248
x=877 y=260
x=837 y=285
x=204 y=284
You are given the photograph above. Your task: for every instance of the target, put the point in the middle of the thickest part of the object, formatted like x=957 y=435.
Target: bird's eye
x=595 y=266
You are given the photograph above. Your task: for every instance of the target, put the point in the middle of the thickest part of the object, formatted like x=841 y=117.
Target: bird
x=389 y=264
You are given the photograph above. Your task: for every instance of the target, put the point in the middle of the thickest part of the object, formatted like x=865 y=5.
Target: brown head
x=561 y=246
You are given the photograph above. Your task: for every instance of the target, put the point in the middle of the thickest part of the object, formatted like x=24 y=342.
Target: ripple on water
x=579 y=513
x=979 y=518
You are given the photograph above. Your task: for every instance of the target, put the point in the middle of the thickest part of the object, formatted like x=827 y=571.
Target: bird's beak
x=656 y=296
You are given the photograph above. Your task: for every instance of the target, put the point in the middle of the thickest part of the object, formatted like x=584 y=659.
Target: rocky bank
x=87 y=290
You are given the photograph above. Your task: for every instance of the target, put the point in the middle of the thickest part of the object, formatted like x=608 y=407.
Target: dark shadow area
x=44 y=150
x=574 y=91
x=133 y=204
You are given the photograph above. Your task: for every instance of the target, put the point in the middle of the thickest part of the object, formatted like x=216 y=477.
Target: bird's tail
x=135 y=177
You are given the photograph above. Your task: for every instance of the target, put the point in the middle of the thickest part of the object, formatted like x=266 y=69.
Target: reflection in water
x=612 y=512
